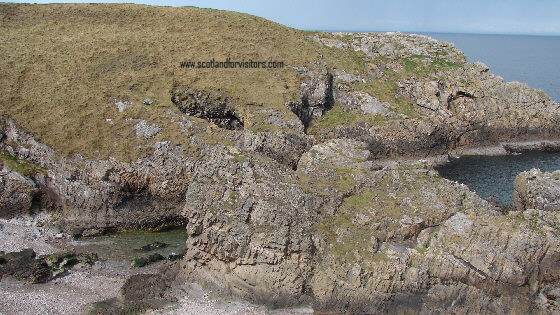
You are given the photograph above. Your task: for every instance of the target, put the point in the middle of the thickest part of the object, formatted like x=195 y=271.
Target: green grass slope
x=63 y=65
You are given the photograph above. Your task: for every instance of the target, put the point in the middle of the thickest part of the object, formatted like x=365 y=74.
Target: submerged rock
x=143 y=261
x=154 y=257
x=138 y=262
x=174 y=256
x=154 y=245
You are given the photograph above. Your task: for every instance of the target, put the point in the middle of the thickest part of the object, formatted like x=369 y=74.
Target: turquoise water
x=534 y=60
x=493 y=176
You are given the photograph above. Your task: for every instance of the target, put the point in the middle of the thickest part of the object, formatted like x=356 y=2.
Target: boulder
x=141 y=292
x=22 y=265
x=534 y=189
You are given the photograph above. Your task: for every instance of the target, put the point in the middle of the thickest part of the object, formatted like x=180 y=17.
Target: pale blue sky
x=467 y=16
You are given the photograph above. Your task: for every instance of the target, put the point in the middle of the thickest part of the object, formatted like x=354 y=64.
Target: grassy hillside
x=63 y=65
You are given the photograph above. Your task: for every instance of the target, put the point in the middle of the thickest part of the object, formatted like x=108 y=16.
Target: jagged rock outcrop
x=534 y=189
x=364 y=103
x=249 y=227
x=106 y=194
x=380 y=241
x=284 y=147
x=16 y=193
x=440 y=102
x=483 y=107
x=483 y=263
x=338 y=232
x=316 y=96
x=350 y=238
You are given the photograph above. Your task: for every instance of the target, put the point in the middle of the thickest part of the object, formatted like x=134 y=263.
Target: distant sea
x=534 y=60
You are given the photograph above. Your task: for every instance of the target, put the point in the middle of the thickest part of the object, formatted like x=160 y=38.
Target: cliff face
x=94 y=196
x=431 y=98
x=274 y=172
x=361 y=241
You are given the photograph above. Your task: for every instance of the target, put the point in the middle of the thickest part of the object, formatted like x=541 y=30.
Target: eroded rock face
x=316 y=96
x=363 y=241
x=483 y=107
x=249 y=228
x=16 y=193
x=534 y=189
x=364 y=103
x=95 y=195
x=286 y=148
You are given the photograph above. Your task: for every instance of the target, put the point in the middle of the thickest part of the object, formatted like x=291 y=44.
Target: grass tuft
x=23 y=167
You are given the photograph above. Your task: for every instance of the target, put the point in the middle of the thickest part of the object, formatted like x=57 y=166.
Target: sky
x=536 y=17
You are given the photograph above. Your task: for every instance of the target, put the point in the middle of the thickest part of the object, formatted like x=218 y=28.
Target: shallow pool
x=125 y=246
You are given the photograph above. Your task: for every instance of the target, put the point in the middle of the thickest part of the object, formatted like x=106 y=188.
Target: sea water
x=493 y=176
x=534 y=60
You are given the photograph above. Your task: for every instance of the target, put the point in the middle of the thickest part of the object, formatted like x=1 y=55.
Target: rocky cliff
x=91 y=196
x=357 y=240
x=275 y=172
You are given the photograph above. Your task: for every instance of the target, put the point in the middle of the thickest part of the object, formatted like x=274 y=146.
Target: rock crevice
x=317 y=96
x=215 y=106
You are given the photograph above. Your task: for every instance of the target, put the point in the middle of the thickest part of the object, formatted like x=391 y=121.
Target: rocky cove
x=314 y=188
x=493 y=177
